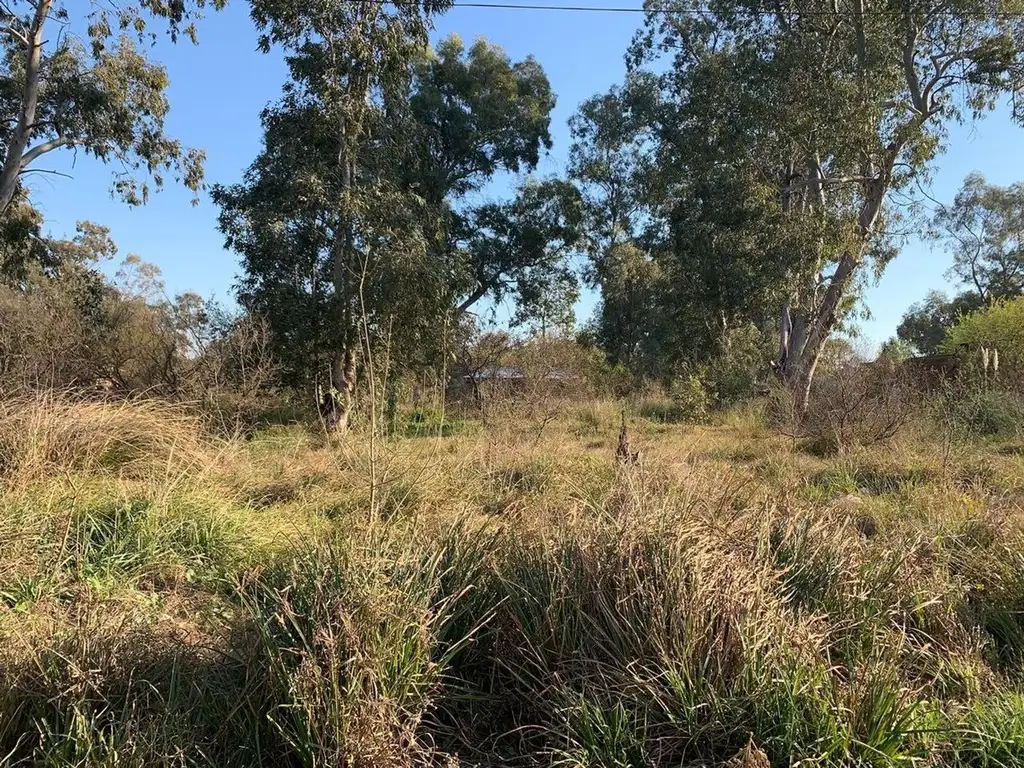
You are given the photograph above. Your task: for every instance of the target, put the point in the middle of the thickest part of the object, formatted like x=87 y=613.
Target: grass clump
x=42 y=436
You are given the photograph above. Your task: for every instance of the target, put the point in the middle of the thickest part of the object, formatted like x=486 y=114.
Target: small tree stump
x=622 y=453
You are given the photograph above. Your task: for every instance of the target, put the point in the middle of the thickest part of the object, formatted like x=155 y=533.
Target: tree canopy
x=738 y=190
x=999 y=326
x=983 y=228
x=925 y=324
x=76 y=75
x=390 y=247
x=754 y=154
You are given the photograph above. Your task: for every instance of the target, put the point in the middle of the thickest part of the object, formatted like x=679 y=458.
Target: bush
x=855 y=405
x=691 y=398
x=733 y=374
x=970 y=411
x=999 y=326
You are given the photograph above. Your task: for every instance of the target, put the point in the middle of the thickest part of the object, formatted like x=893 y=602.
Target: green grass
x=506 y=594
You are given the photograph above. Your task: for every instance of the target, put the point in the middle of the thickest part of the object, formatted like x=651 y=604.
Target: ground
x=500 y=591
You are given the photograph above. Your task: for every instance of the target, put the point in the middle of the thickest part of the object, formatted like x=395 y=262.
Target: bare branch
x=16 y=34
x=48 y=171
x=42 y=149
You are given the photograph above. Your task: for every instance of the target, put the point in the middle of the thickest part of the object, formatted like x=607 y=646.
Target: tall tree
x=984 y=230
x=832 y=107
x=687 y=223
x=348 y=62
x=610 y=160
x=629 y=324
x=473 y=114
x=285 y=220
x=98 y=92
x=418 y=254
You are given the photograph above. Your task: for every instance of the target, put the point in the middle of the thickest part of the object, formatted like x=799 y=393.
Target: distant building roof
x=504 y=372
x=513 y=373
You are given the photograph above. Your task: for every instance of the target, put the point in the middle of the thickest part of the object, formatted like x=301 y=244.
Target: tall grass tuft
x=354 y=648
x=49 y=434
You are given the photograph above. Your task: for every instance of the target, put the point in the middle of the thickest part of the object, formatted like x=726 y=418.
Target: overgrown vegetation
x=504 y=595
x=356 y=524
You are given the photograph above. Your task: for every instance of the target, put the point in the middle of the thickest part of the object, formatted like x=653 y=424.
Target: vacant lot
x=504 y=593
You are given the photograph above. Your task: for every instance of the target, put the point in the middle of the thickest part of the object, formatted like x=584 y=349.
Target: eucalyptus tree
x=329 y=255
x=474 y=115
x=828 y=109
x=321 y=191
x=983 y=229
x=75 y=74
x=685 y=240
x=610 y=163
x=629 y=324
x=355 y=222
x=610 y=160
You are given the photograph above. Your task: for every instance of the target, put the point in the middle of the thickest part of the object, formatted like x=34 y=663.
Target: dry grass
x=504 y=595
x=48 y=435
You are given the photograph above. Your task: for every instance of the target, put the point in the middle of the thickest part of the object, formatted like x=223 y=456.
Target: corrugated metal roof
x=513 y=373
x=499 y=372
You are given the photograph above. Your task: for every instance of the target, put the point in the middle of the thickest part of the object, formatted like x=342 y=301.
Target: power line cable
x=700 y=10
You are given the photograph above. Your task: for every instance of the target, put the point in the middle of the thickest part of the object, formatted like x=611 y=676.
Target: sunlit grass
x=503 y=593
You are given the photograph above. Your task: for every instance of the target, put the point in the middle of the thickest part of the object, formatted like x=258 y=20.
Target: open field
x=504 y=594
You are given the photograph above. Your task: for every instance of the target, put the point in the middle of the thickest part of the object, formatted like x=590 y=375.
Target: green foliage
x=100 y=94
x=925 y=324
x=895 y=351
x=1000 y=326
x=983 y=230
x=429 y=422
x=992 y=734
x=114 y=543
x=742 y=363
x=691 y=396
x=750 y=158
x=460 y=117
x=523 y=247
x=474 y=113
x=974 y=412
x=629 y=321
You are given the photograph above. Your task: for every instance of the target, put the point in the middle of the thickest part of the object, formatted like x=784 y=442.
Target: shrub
x=732 y=375
x=999 y=326
x=855 y=405
x=975 y=412
x=691 y=398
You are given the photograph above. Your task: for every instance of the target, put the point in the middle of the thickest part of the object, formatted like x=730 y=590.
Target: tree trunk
x=337 y=405
x=14 y=160
x=801 y=343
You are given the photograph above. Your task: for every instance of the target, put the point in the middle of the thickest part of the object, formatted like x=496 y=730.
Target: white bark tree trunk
x=16 y=158
x=801 y=344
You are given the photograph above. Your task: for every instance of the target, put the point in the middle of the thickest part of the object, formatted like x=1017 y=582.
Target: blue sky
x=218 y=88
